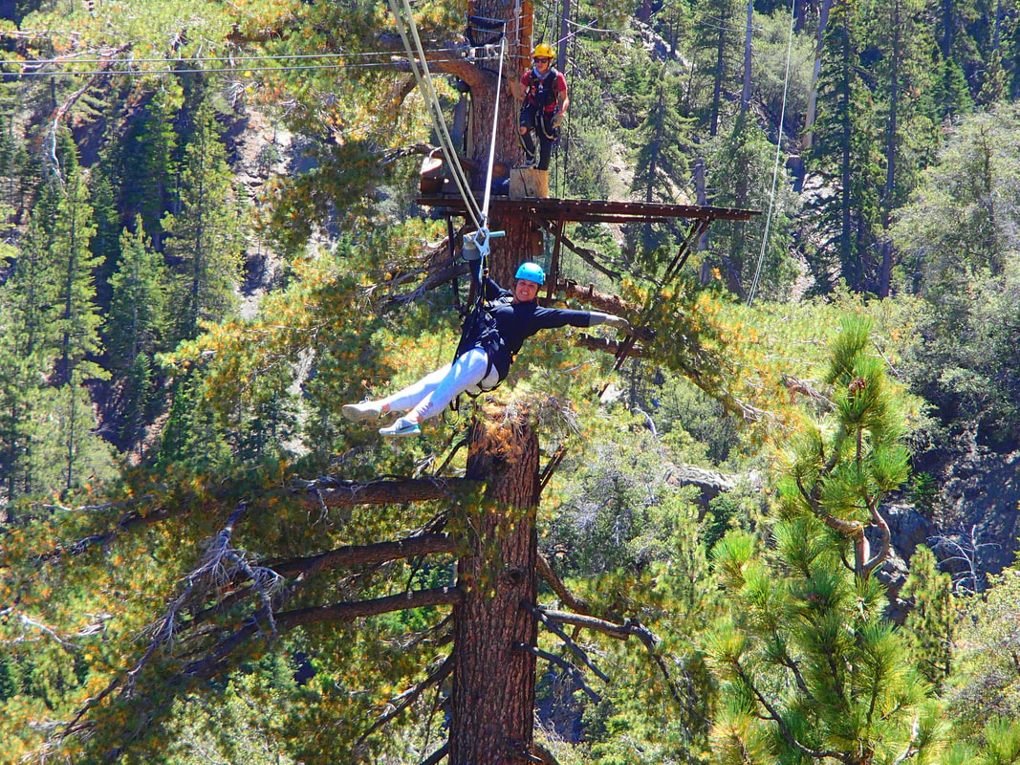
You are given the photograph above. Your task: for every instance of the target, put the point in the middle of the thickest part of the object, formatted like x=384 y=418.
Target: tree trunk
x=809 y=119
x=720 y=69
x=561 y=55
x=745 y=93
x=885 y=271
x=495 y=624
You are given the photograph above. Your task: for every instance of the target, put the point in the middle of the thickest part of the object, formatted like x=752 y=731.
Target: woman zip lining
x=492 y=336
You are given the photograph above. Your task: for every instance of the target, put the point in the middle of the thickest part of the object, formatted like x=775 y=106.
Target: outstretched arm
x=617 y=322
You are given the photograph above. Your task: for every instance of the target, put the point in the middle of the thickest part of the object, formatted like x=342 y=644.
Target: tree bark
x=495 y=623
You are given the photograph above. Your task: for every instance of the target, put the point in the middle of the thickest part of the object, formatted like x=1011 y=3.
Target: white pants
x=433 y=393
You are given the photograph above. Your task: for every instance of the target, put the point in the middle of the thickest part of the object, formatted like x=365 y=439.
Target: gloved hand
x=618 y=322
x=557 y=120
x=613 y=321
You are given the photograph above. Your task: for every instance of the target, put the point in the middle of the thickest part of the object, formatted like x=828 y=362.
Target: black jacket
x=501 y=329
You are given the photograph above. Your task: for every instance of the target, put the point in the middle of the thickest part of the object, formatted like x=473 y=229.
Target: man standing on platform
x=545 y=105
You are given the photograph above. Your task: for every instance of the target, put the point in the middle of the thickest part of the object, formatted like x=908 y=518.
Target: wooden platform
x=589 y=211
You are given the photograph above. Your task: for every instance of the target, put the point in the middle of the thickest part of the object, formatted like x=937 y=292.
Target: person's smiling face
x=542 y=63
x=525 y=291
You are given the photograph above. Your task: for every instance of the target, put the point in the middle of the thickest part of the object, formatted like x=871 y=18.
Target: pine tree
x=931 y=624
x=137 y=320
x=105 y=245
x=77 y=318
x=28 y=303
x=845 y=154
x=147 y=162
x=718 y=26
x=136 y=329
x=203 y=234
x=812 y=672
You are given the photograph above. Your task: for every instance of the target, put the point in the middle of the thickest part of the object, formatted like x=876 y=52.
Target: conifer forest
x=765 y=514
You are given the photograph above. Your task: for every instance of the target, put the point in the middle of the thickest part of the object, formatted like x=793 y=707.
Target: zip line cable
x=424 y=80
x=775 y=168
x=492 y=142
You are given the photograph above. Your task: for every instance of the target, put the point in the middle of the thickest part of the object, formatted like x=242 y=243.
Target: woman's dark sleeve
x=551 y=318
x=493 y=290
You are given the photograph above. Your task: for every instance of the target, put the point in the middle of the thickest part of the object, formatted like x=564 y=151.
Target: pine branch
x=784 y=729
x=885 y=533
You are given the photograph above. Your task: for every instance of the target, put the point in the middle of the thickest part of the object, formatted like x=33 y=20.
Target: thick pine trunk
x=494 y=672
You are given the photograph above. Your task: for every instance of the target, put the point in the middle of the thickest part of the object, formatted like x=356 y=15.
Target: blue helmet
x=532 y=272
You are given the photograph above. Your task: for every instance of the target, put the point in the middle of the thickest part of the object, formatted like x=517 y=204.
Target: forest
x=771 y=522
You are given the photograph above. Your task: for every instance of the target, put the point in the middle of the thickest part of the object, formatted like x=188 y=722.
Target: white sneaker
x=366 y=410
x=402 y=427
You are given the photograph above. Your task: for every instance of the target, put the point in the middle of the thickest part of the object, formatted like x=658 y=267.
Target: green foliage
x=254 y=400
x=740 y=167
x=203 y=234
x=810 y=669
x=931 y=624
x=984 y=683
x=955 y=235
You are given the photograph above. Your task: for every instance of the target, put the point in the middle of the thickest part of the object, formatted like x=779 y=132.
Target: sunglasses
x=540 y=60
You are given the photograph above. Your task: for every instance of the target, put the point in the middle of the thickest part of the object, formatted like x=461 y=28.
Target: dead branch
x=437 y=756
x=573 y=646
x=335 y=612
x=606 y=345
x=401 y=702
x=805 y=388
x=440 y=59
x=599 y=300
x=586 y=254
x=567 y=667
x=566 y=596
x=335 y=492
x=543 y=755
x=360 y=555
x=210 y=574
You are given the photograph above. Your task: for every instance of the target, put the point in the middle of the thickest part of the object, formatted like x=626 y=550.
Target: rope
x=775 y=168
x=424 y=81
